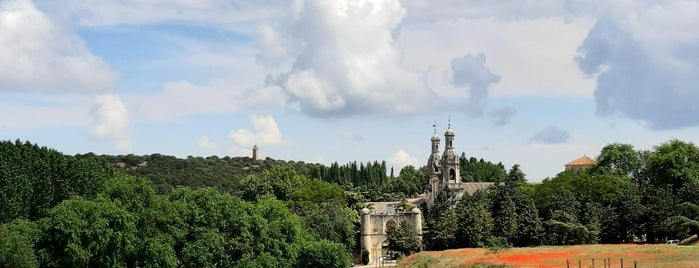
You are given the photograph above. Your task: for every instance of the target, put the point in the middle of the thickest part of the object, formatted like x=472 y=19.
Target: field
x=643 y=256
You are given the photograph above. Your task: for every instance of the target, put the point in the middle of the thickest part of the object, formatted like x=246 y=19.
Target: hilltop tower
x=254 y=152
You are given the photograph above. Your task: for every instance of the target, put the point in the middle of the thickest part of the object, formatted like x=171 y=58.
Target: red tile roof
x=582 y=161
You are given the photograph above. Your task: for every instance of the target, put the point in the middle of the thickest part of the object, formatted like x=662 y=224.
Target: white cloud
x=345 y=61
x=401 y=159
x=266 y=133
x=645 y=59
x=37 y=54
x=470 y=70
x=533 y=57
x=205 y=143
x=111 y=121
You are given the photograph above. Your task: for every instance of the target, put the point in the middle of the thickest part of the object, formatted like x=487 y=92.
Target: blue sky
x=537 y=84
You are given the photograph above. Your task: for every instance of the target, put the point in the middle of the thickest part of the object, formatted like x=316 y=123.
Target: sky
x=537 y=83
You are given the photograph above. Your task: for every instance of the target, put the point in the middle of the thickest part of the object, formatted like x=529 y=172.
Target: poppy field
x=656 y=255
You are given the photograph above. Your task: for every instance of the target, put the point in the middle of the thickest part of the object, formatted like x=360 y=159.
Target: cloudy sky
x=537 y=83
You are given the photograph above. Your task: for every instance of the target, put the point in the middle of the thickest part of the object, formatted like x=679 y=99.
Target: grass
x=646 y=256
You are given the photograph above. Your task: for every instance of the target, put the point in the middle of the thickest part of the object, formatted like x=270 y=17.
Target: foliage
x=674 y=164
x=17 y=239
x=34 y=179
x=619 y=159
x=475 y=224
x=474 y=170
x=685 y=224
x=323 y=253
x=81 y=232
x=402 y=238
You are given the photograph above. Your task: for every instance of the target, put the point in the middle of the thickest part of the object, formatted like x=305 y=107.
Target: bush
x=323 y=254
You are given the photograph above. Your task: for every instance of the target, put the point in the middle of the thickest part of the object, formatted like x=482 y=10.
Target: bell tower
x=450 y=162
x=434 y=164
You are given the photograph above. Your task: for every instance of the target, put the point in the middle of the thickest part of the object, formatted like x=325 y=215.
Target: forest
x=160 y=211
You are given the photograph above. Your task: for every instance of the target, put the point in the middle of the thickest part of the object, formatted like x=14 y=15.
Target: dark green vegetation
x=160 y=211
x=629 y=196
x=63 y=211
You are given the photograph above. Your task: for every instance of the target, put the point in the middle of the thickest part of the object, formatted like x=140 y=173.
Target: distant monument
x=254 y=152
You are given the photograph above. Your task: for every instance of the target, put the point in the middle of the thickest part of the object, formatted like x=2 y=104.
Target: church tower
x=450 y=161
x=434 y=163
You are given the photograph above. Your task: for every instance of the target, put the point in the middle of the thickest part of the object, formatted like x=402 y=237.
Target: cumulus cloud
x=550 y=135
x=502 y=116
x=345 y=61
x=470 y=70
x=111 y=121
x=205 y=143
x=38 y=54
x=266 y=133
x=401 y=159
x=645 y=58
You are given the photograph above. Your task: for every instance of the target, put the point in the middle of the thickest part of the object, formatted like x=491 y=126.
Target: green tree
x=619 y=159
x=685 y=224
x=401 y=237
x=674 y=164
x=17 y=239
x=442 y=221
x=80 y=232
x=279 y=181
x=475 y=222
x=323 y=253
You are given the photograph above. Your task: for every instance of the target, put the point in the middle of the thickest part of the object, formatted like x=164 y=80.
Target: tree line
x=65 y=211
x=642 y=196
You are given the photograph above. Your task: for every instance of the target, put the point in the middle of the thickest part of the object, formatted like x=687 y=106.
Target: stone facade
x=373 y=222
x=443 y=171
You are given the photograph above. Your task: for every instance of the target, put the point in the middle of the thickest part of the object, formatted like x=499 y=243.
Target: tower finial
x=434 y=125
x=449 y=120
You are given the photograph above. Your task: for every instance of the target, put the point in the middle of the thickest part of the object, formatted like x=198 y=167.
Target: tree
x=442 y=221
x=504 y=212
x=80 y=232
x=674 y=164
x=529 y=226
x=17 y=239
x=475 y=223
x=622 y=218
x=402 y=237
x=687 y=223
x=279 y=181
x=322 y=253
x=619 y=159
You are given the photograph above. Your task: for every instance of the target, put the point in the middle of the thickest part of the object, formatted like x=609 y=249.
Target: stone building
x=580 y=164
x=374 y=221
x=443 y=170
x=444 y=173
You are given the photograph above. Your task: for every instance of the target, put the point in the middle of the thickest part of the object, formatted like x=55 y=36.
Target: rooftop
x=582 y=161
